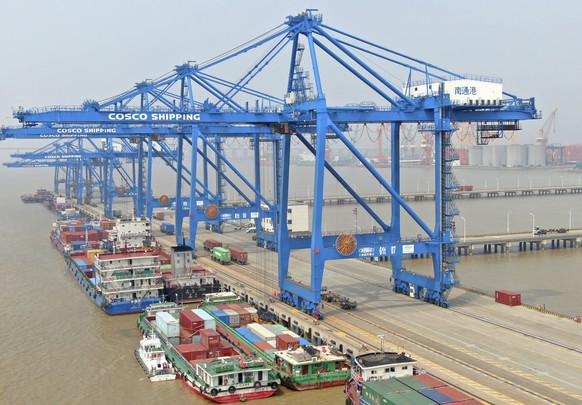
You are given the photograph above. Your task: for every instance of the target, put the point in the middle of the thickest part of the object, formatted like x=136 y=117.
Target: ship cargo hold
x=205 y=362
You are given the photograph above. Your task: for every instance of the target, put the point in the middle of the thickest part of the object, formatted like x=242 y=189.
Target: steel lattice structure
x=275 y=100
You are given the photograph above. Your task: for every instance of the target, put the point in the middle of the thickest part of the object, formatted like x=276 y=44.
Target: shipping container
x=233 y=318
x=210 y=244
x=221 y=255
x=192 y=351
x=454 y=393
x=209 y=321
x=190 y=321
x=429 y=380
x=436 y=396
x=209 y=338
x=238 y=255
x=508 y=298
x=186 y=337
x=286 y=342
x=221 y=316
x=263 y=346
x=167 y=228
x=262 y=332
x=167 y=324
x=248 y=335
x=413 y=383
x=159 y=215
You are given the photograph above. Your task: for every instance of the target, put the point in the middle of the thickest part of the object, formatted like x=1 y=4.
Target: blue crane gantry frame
x=201 y=106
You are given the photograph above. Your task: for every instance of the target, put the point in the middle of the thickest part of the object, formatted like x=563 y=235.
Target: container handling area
x=197 y=118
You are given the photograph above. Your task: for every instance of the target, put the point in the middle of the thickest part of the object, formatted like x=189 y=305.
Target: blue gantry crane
x=204 y=108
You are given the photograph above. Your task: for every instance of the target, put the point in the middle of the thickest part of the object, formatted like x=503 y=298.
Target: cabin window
x=373 y=372
x=404 y=367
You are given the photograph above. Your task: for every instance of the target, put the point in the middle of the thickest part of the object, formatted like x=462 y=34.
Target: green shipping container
x=413 y=383
x=392 y=392
x=221 y=255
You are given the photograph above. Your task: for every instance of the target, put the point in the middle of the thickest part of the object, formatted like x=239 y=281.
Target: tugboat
x=152 y=359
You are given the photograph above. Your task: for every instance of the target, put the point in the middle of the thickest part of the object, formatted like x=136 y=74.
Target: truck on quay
x=167 y=228
x=221 y=255
x=344 y=302
x=238 y=255
x=210 y=244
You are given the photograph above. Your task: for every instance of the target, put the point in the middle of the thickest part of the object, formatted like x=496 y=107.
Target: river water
x=60 y=349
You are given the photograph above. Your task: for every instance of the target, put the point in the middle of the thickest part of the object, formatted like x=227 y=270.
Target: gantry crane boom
x=196 y=101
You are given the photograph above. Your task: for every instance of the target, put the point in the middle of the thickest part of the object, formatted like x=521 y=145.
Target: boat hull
x=240 y=395
x=115 y=308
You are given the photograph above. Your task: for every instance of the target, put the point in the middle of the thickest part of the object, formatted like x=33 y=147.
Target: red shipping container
x=185 y=336
x=263 y=345
x=106 y=224
x=238 y=255
x=226 y=349
x=190 y=321
x=214 y=353
x=467 y=402
x=192 y=351
x=453 y=393
x=285 y=342
x=430 y=380
x=508 y=298
x=209 y=338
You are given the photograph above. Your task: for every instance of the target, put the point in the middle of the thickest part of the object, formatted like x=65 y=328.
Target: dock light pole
x=381 y=342
x=497 y=181
x=533 y=226
x=508 y=212
x=464 y=229
x=356 y=214
x=530 y=183
x=562 y=177
x=570 y=220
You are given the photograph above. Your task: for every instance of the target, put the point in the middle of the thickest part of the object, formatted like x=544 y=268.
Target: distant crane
x=548 y=127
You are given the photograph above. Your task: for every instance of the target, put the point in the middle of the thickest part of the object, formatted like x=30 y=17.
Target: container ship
x=390 y=378
x=206 y=363
x=299 y=364
x=122 y=270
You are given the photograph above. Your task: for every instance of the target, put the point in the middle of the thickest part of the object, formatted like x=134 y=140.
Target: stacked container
x=167 y=324
x=286 y=342
x=265 y=334
x=209 y=321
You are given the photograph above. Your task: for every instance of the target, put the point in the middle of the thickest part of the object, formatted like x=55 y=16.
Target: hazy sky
x=64 y=52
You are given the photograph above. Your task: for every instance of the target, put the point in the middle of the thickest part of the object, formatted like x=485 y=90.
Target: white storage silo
x=476 y=155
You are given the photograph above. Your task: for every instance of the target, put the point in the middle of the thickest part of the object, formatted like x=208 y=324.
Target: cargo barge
x=119 y=269
x=391 y=378
x=119 y=283
x=300 y=365
x=206 y=364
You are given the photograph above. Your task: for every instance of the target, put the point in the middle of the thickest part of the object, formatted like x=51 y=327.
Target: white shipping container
x=167 y=324
x=262 y=332
x=251 y=310
x=233 y=317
